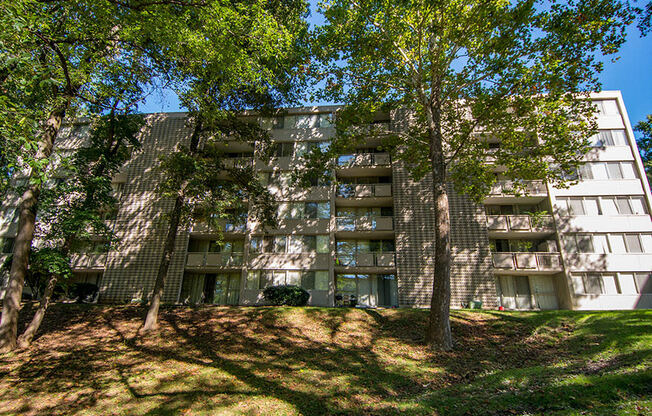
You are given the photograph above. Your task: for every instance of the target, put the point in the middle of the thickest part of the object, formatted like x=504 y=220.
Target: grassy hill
x=313 y=361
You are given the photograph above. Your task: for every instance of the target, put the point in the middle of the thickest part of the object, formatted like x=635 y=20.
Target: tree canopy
x=464 y=74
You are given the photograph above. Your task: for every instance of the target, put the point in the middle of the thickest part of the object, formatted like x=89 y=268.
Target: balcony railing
x=88 y=260
x=520 y=223
x=366 y=260
x=364 y=159
x=375 y=223
x=238 y=162
x=214 y=259
x=531 y=188
x=364 y=191
x=224 y=226
x=527 y=261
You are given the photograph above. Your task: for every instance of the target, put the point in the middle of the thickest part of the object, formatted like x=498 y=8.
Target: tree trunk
x=438 y=334
x=25 y=340
x=439 y=330
x=23 y=242
x=151 y=320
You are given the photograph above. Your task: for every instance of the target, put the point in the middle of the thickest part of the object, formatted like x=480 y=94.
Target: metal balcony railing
x=366 y=260
x=364 y=191
x=238 y=162
x=520 y=223
x=371 y=223
x=364 y=159
x=214 y=259
x=527 y=261
x=532 y=188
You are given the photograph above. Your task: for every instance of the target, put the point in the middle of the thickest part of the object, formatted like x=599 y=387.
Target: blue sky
x=631 y=74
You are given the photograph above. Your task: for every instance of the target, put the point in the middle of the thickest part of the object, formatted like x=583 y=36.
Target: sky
x=631 y=73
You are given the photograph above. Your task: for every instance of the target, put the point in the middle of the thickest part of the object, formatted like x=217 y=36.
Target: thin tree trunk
x=151 y=320
x=23 y=242
x=25 y=340
x=438 y=334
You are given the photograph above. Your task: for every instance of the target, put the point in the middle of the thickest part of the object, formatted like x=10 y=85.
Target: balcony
x=222 y=225
x=363 y=160
x=238 y=162
x=546 y=263
x=88 y=261
x=366 y=260
x=504 y=225
x=365 y=190
x=214 y=260
x=503 y=192
x=375 y=223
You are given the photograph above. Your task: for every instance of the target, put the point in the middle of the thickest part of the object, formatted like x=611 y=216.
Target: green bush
x=286 y=295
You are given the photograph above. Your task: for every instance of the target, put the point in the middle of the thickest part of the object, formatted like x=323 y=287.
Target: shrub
x=83 y=292
x=286 y=295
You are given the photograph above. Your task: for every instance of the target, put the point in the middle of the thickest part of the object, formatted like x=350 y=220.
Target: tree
x=75 y=210
x=463 y=72
x=242 y=56
x=645 y=144
x=60 y=59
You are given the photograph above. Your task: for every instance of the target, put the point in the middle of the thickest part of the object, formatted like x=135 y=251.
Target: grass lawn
x=313 y=361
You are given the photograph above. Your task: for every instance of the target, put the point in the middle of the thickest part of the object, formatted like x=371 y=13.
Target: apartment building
x=365 y=236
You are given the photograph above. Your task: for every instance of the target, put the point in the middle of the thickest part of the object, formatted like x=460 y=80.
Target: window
x=269 y=123
x=576 y=207
x=325 y=120
x=256 y=245
x=633 y=243
x=285 y=149
x=627 y=283
x=623 y=206
x=292 y=244
x=606 y=107
x=609 y=206
x=592 y=284
x=609 y=286
x=304 y=210
x=253 y=280
x=308 y=279
x=617 y=243
x=643 y=282
x=607 y=170
x=600 y=243
x=608 y=138
x=638 y=205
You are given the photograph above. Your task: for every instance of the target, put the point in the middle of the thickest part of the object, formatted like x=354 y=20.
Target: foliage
x=45 y=262
x=456 y=75
x=74 y=210
x=290 y=295
x=644 y=142
x=518 y=71
x=83 y=292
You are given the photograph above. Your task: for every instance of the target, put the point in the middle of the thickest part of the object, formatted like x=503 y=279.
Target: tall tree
x=239 y=56
x=59 y=59
x=77 y=209
x=644 y=127
x=466 y=71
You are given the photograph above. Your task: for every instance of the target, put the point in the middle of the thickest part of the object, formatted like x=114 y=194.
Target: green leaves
x=466 y=72
x=644 y=127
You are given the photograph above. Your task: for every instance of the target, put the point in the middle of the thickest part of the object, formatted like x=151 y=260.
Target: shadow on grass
x=316 y=361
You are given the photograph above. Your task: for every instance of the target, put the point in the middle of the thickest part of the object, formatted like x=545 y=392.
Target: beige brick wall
x=141 y=224
x=471 y=269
